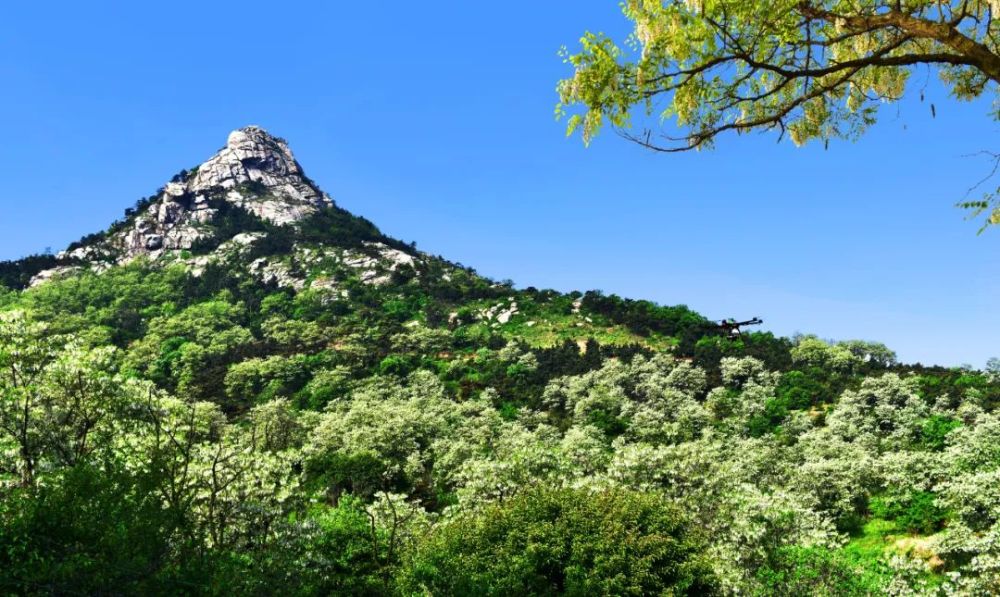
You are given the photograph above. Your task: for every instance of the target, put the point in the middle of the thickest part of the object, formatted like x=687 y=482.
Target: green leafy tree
x=24 y=355
x=565 y=543
x=811 y=70
x=86 y=530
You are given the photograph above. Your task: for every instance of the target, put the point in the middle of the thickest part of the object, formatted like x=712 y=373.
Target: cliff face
x=253 y=159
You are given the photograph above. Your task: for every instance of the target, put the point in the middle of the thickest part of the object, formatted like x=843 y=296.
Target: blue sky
x=435 y=120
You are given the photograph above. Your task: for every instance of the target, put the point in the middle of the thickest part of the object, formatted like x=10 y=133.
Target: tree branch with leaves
x=809 y=70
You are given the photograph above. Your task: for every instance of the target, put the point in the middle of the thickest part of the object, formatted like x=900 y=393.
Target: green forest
x=239 y=387
x=394 y=423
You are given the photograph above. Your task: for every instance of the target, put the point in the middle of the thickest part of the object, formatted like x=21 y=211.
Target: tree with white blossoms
x=394 y=425
x=87 y=403
x=657 y=397
x=754 y=524
x=970 y=491
x=973 y=534
x=59 y=401
x=239 y=492
x=480 y=428
x=832 y=475
x=281 y=427
x=885 y=413
x=747 y=387
x=396 y=523
x=226 y=483
x=871 y=352
x=664 y=405
x=517 y=458
x=812 y=351
x=583 y=453
x=724 y=491
x=422 y=341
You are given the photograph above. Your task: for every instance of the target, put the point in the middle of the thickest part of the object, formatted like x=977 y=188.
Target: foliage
x=17 y=274
x=563 y=542
x=814 y=571
x=806 y=70
x=346 y=228
x=85 y=531
x=228 y=220
x=915 y=513
x=168 y=431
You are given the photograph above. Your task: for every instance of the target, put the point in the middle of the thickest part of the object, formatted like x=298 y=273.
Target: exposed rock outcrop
x=51 y=274
x=192 y=221
x=260 y=162
x=378 y=270
x=255 y=171
x=501 y=313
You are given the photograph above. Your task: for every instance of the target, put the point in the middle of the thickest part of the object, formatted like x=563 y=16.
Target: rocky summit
x=249 y=207
x=255 y=171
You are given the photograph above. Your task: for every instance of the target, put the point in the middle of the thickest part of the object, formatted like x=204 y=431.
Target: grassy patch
x=880 y=539
x=872 y=543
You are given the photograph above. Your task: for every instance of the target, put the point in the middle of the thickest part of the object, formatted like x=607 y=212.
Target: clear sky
x=435 y=120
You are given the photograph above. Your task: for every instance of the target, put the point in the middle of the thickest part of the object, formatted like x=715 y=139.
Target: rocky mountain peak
x=249 y=206
x=254 y=157
x=255 y=171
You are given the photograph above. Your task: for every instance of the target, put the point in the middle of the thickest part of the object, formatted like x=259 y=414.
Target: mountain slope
x=255 y=172
x=265 y=394
x=251 y=212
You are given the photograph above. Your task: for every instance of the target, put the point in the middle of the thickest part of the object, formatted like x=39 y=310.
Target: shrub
x=915 y=513
x=563 y=542
x=816 y=571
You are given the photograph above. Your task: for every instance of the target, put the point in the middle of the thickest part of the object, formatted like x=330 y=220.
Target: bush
x=816 y=571
x=338 y=474
x=563 y=542
x=645 y=317
x=801 y=390
x=775 y=413
x=935 y=430
x=86 y=532
x=914 y=513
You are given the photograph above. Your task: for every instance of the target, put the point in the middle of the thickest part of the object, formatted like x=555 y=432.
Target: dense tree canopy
x=244 y=440
x=169 y=430
x=809 y=69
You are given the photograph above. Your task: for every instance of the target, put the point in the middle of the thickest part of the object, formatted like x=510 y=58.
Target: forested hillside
x=241 y=388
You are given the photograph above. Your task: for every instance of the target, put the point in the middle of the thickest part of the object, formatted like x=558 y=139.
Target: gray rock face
x=500 y=314
x=254 y=170
x=252 y=156
x=377 y=271
x=275 y=273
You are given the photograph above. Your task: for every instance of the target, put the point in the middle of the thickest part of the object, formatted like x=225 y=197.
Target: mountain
x=251 y=189
x=241 y=388
x=254 y=172
x=251 y=212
